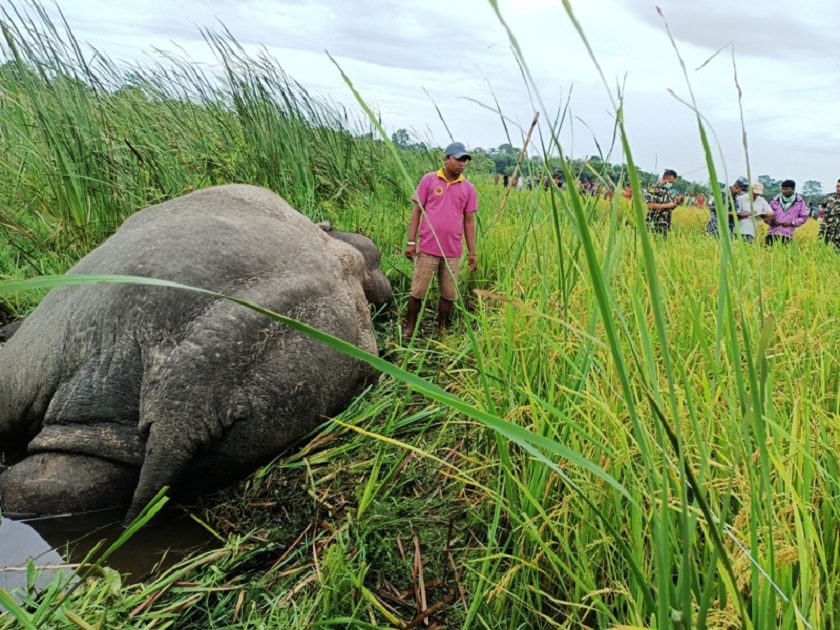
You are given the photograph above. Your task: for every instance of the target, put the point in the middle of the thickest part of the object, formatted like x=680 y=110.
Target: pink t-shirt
x=445 y=205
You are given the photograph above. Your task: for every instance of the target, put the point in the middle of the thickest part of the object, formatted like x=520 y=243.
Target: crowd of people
x=744 y=206
x=445 y=202
x=528 y=182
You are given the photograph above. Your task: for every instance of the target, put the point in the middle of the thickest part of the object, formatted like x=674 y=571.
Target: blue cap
x=742 y=183
x=457 y=150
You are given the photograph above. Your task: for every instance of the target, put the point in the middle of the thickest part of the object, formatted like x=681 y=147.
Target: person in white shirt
x=748 y=212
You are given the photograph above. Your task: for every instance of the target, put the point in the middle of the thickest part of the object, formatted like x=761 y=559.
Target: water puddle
x=20 y=543
x=61 y=543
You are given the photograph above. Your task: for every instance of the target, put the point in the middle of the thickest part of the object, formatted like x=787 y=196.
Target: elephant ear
x=325 y=225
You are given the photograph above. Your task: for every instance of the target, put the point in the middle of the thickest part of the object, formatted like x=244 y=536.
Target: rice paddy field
x=618 y=431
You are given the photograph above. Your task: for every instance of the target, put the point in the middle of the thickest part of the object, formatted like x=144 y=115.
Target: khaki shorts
x=426 y=266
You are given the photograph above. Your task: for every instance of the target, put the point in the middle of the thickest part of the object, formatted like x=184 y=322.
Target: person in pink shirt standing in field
x=444 y=213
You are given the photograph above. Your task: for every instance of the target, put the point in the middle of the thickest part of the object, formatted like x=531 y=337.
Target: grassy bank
x=628 y=432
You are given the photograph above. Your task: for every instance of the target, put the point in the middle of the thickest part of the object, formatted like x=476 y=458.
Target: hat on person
x=758 y=188
x=742 y=183
x=457 y=150
x=788 y=183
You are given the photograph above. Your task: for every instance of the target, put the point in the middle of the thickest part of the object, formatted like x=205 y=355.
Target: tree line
x=502 y=159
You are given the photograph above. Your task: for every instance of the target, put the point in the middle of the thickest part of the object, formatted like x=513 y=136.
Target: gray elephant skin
x=117 y=390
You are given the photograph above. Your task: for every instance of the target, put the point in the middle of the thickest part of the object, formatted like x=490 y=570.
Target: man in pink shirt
x=444 y=213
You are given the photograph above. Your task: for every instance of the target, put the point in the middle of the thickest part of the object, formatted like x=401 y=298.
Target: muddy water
x=61 y=543
x=20 y=543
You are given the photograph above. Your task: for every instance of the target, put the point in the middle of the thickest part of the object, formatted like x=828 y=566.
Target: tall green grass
x=86 y=142
x=620 y=431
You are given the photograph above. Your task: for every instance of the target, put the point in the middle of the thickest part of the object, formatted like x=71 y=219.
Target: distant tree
x=401 y=138
x=812 y=191
x=504 y=158
x=481 y=162
x=131 y=93
x=772 y=187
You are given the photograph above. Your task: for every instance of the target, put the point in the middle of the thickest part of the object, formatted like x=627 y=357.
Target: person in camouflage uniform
x=734 y=198
x=661 y=202
x=830 y=226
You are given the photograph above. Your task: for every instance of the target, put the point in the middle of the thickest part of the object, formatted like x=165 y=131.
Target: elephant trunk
x=48 y=484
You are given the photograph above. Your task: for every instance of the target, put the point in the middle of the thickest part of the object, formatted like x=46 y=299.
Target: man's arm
x=413 y=226
x=802 y=217
x=469 y=235
x=661 y=206
x=770 y=216
x=670 y=204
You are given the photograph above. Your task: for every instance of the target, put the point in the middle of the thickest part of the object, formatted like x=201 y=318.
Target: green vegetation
x=85 y=143
x=619 y=431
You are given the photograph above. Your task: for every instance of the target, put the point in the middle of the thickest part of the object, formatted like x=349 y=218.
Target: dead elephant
x=118 y=390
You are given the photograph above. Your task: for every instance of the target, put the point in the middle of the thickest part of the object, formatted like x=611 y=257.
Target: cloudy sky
x=405 y=56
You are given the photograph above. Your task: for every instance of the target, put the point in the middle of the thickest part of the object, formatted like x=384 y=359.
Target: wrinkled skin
x=118 y=390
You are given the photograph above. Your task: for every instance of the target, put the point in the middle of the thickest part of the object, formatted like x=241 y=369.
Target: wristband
x=411 y=243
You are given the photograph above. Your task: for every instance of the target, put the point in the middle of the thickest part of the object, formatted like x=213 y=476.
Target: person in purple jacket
x=788 y=212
